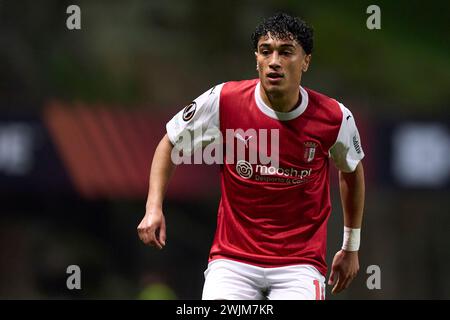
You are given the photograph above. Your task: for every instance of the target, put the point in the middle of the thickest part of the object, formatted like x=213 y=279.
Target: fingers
x=331 y=280
x=337 y=287
x=141 y=233
x=342 y=283
x=148 y=237
x=154 y=242
x=162 y=233
x=147 y=234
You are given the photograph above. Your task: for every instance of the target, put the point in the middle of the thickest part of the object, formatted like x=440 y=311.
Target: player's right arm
x=152 y=229
x=202 y=115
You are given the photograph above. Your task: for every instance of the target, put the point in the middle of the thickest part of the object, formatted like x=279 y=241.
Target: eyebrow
x=265 y=45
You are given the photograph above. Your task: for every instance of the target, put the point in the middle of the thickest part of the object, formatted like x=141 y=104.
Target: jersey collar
x=283 y=116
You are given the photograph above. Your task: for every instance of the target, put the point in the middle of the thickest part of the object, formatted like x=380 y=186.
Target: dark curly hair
x=283 y=26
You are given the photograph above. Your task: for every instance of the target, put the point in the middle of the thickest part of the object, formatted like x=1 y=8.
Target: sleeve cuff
x=170 y=134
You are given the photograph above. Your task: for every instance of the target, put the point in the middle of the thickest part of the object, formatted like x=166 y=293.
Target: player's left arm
x=346 y=263
x=347 y=154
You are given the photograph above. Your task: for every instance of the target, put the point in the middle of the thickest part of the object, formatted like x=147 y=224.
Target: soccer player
x=270 y=241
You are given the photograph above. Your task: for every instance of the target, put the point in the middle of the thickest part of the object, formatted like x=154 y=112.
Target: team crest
x=310 y=151
x=189 y=111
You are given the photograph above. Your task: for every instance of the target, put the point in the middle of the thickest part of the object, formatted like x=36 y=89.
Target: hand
x=343 y=270
x=152 y=229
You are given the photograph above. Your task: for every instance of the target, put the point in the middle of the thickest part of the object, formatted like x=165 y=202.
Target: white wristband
x=351 y=239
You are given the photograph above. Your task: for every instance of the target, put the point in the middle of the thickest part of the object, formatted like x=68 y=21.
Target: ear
x=306 y=62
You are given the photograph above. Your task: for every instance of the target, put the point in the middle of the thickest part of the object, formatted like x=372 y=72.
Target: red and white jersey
x=273 y=216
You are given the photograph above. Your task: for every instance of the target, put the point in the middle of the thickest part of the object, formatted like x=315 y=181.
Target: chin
x=273 y=88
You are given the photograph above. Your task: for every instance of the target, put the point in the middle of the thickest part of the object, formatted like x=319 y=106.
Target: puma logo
x=238 y=136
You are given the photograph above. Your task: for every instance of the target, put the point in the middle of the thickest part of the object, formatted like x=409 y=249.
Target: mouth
x=274 y=77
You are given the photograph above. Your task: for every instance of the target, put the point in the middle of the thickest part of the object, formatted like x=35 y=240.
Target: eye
x=265 y=52
x=285 y=53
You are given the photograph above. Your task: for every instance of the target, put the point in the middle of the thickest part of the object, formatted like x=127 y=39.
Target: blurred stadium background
x=82 y=111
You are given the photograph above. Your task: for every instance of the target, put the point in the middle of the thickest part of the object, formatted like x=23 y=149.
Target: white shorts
x=232 y=280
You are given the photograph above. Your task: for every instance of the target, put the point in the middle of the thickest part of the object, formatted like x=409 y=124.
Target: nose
x=274 y=60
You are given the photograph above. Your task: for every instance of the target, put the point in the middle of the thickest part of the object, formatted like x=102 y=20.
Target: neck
x=282 y=102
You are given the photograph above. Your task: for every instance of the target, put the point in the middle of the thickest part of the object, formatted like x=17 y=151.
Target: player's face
x=280 y=64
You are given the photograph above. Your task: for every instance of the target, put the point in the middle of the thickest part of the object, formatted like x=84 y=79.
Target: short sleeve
x=197 y=124
x=347 y=151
